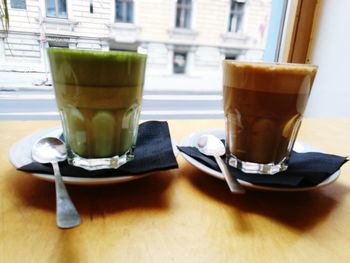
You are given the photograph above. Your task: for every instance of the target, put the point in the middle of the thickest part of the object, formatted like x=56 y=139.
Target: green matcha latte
x=99 y=96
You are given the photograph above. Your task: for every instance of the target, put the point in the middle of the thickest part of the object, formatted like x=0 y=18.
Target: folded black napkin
x=305 y=169
x=153 y=152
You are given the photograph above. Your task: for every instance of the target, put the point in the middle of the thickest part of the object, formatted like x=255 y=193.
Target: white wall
x=330 y=96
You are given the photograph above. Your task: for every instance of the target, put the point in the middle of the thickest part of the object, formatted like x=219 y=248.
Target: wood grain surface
x=180 y=215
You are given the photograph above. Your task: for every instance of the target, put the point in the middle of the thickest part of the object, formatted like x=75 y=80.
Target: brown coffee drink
x=263 y=105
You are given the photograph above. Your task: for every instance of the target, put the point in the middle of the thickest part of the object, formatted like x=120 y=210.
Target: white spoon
x=52 y=150
x=210 y=145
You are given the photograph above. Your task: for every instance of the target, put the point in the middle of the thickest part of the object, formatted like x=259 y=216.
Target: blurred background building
x=181 y=37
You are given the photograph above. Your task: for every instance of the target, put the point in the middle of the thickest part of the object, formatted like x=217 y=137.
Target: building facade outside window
x=19 y=4
x=183 y=13
x=175 y=34
x=236 y=16
x=56 y=8
x=124 y=11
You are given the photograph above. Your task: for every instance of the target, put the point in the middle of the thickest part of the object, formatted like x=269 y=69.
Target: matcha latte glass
x=98 y=95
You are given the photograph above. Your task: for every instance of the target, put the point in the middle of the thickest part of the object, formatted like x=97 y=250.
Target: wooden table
x=181 y=215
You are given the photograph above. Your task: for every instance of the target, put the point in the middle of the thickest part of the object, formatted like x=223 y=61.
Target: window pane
x=124 y=11
x=238 y=27
x=130 y=12
x=179 y=63
x=187 y=22
x=236 y=17
x=178 y=17
x=62 y=8
x=239 y=7
x=118 y=11
x=20 y=4
x=183 y=14
x=50 y=8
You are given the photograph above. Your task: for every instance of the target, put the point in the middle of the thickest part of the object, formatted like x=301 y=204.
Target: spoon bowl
x=52 y=150
x=49 y=149
x=212 y=146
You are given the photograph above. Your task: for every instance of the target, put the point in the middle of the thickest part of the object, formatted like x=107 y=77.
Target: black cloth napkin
x=153 y=152
x=305 y=169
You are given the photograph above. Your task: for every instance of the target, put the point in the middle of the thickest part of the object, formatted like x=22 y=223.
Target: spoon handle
x=231 y=180
x=66 y=214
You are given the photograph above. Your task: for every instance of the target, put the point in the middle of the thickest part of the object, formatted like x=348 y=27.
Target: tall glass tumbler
x=264 y=105
x=98 y=95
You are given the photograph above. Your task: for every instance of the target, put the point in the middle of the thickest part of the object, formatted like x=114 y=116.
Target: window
x=183 y=13
x=124 y=11
x=56 y=8
x=63 y=43
x=236 y=16
x=20 y=4
x=179 y=62
x=232 y=57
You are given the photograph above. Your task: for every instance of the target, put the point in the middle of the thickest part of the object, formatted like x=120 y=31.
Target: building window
x=124 y=11
x=62 y=43
x=20 y=4
x=231 y=57
x=179 y=62
x=183 y=13
x=56 y=8
x=236 y=16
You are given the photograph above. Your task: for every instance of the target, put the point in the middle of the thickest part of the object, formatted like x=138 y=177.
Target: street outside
x=26 y=96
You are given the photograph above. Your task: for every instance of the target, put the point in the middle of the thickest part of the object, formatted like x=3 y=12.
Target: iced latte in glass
x=264 y=105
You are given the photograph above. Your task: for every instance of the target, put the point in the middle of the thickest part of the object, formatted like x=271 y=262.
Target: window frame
x=298 y=30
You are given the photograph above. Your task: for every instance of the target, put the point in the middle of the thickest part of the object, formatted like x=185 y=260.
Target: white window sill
x=123 y=32
x=234 y=35
x=61 y=21
x=58 y=22
x=124 y=26
x=235 y=38
x=182 y=33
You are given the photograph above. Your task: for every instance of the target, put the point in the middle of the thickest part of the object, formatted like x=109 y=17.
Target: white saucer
x=20 y=155
x=192 y=140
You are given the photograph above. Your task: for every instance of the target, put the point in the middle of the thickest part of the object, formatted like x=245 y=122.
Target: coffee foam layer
x=269 y=77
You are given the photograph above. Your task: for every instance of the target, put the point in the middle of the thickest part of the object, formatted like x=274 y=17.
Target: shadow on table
x=151 y=192
x=299 y=210
x=100 y=207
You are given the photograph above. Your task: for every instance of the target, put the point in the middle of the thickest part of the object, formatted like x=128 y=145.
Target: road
x=35 y=105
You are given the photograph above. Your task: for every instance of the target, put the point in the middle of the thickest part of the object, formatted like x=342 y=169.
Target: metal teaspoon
x=52 y=150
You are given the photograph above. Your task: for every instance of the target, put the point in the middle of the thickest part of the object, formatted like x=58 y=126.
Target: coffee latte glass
x=263 y=105
x=98 y=95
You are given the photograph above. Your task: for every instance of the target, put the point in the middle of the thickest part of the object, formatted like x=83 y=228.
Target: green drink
x=99 y=97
